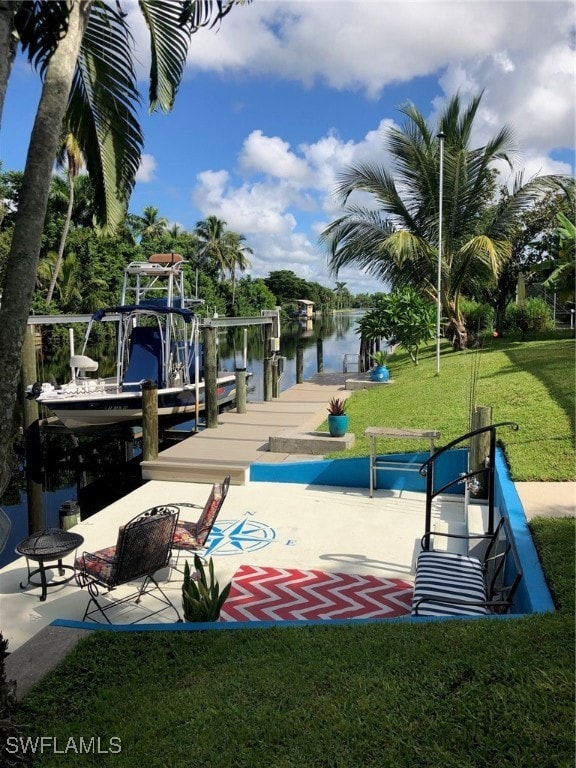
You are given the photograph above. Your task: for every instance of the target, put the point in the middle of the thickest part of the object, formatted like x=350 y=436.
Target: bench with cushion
x=454 y=584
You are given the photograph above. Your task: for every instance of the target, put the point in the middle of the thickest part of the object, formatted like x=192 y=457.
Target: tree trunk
x=8 y=47
x=22 y=263
x=63 y=239
x=456 y=331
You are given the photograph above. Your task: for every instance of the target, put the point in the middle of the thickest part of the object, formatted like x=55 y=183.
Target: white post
x=72 y=351
x=245 y=359
x=441 y=136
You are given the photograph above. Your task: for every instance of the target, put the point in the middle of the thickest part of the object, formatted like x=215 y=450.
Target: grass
x=531 y=383
x=452 y=694
x=464 y=694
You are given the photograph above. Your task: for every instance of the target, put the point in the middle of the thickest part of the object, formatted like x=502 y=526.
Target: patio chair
x=192 y=536
x=143 y=547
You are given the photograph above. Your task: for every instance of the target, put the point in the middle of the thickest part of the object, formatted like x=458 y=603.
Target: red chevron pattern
x=265 y=594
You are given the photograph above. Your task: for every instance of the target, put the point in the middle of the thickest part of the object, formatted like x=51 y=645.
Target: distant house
x=305 y=309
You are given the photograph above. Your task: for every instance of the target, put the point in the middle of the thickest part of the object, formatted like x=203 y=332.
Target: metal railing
x=427 y=470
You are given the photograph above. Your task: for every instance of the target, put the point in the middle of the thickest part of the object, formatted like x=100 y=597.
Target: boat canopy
x=144 y=308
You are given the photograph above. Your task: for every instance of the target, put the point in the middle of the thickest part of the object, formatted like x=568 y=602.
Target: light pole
x=441 y=137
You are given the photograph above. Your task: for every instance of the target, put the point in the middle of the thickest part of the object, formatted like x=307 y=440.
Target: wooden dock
x=243 y=439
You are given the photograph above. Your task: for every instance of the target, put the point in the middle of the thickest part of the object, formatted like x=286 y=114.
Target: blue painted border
x=533 y=595
x=354 y=472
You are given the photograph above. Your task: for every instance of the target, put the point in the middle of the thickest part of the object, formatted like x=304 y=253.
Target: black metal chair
x=143 y=547
x=192 y=536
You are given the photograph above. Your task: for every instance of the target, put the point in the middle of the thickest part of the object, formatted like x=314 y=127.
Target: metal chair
x=143 y=547
x=192 y=537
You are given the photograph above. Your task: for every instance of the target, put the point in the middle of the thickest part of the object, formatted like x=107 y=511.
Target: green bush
x=477 y=317
x=534 y=316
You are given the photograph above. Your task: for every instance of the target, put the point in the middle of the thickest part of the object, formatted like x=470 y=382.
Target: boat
x=157 y=341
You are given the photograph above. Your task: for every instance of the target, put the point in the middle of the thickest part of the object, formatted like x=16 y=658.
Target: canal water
x=327 y=339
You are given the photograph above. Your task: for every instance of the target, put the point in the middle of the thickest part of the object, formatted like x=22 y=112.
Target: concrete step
x=194 y=471
x=314 y=443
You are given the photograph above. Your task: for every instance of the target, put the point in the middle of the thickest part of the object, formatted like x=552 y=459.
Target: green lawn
x=531 y=383
x=463 y=694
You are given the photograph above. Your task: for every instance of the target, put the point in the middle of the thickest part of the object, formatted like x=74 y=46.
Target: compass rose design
x=233 y=537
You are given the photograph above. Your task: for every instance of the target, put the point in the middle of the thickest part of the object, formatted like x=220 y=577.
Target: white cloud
x=147 y=170
x=276 y=212
x=272 y=156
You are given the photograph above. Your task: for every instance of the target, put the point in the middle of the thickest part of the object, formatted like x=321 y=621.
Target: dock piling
x=149 y=421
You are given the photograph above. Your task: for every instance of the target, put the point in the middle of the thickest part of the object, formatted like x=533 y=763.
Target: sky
x=284 y=95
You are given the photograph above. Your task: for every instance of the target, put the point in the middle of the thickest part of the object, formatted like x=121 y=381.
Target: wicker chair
x=192 y=537
x=143 y=547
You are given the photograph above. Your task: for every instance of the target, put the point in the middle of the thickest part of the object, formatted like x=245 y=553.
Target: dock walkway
x=242 y=439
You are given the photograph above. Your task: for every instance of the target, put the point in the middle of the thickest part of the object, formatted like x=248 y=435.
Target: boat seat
x=145 y=363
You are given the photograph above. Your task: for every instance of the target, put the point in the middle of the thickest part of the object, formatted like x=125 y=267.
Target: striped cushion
x=459 y=579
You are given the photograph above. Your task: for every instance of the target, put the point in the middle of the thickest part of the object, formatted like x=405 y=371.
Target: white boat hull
x=106 y=409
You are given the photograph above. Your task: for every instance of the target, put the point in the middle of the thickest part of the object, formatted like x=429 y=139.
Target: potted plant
x=202 y=600
x=379 y=372
x=337 y=417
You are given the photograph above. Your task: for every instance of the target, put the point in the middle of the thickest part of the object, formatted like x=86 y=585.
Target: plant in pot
x=202 y=600
x=337 y=417
x=379 y=371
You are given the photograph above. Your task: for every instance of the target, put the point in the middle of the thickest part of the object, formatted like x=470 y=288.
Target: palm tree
x=149 y=226
x=84 y=50
x=212 y=242
x=69 y=156
x=236 y=255
x=339 y=291
x=396 y=239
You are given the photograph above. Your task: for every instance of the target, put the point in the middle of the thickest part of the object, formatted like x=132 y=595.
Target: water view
x=328 y=338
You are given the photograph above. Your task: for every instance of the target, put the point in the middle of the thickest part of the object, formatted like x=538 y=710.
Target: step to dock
x=314 y=443
x=194 y=471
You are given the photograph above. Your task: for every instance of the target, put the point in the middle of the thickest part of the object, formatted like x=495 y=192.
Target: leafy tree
x=287 y=287
x=404 y=317
x=563 y=265
x=251 y=296
x=396 y=238
x=534 y=238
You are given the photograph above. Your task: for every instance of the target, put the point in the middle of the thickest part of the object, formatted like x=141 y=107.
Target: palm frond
x=40 y=26
x=207 y=13
x=102 y=113
x=169 y=43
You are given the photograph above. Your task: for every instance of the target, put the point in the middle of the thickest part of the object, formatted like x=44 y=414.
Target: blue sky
x=286 y=94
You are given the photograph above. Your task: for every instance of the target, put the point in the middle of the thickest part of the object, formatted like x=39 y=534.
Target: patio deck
x=267 y=525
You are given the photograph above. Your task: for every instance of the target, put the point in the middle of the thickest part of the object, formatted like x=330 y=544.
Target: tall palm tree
x=236 y=256
x=339 y=291
x=84 y=51
x=396 y=239
x=70 y=156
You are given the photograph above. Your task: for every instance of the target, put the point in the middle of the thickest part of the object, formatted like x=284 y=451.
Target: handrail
x=427 y=470
x=474 y=432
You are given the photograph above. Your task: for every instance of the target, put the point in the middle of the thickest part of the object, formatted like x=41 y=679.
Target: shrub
x=533 y=317
x=202 y=600
x=477 y=317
